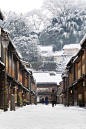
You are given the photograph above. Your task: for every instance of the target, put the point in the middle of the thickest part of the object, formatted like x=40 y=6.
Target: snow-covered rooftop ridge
x=1 y=15
x=45 y=77
x=75 y=55
x=15 y=47
x=47 y=54
x=30 y=69
x=72 y=46
x=82 y=41
x=45 y=48
x=24 y=62
x=6 y=30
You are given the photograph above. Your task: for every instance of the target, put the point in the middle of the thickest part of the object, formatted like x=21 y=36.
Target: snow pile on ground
x=44 y=117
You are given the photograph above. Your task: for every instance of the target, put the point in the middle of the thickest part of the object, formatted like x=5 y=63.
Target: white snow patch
x=72 y=46
x=44 y=117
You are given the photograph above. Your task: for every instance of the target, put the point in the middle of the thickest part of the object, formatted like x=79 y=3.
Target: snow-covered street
x=44 y=117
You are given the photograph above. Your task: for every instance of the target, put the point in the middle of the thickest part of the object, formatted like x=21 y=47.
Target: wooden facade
x=33 y=91
x=45 y=89
x=75 y=81
x=19 y=79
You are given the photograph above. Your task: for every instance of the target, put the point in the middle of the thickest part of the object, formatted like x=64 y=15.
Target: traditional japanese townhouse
x=81 y=90
x=71 y=82
x=32 y=83
x=46 y=81
x=64 y=87
x=16 y=79
x=76 y=84
x=17 y=76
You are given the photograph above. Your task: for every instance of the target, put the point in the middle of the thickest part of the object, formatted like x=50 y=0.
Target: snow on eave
x=75 y=55
x=7 y=31
x=1 y=16
x=83 y=40
x=18 y=53
x=60 y=82
x=75 y=59
x=2 y=63
x=47 y=83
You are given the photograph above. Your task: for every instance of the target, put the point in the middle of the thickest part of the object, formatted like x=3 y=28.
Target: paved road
x=44 y=117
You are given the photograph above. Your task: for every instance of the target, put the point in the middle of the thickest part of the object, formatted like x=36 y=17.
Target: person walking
x=46 y=100
x=53 y=98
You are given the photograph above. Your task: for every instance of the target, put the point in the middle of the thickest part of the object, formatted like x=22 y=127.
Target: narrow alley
x=44 y=117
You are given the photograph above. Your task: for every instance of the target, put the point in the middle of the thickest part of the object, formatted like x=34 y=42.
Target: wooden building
x=45 y=89
x=74 y=84
x=46 y=81
x=14 y=76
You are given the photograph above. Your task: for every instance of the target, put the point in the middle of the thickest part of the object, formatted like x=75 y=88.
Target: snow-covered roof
x=46 y=51
x=58 y=53
x=72 y=46
x=45 y=77
x=30 y=69
x=20 y=56
x=75 y=55
x=45 y=48
x=47 y=54
x=6 y=30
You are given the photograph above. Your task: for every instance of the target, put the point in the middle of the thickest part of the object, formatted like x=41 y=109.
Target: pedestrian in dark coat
x=53 y=98
x=46 y=100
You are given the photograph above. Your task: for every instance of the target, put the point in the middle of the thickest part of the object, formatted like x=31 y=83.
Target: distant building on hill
x=71 y=49
x=58 y=56
x=45 y=53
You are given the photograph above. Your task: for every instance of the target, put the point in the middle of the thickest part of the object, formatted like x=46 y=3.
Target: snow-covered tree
x=68 y=22
x=22 y=33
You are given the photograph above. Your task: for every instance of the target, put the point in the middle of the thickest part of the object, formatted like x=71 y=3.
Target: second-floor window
x=20 y=76
x=13 y=69
x=10 y=65
x=7 y=61
x=83 y=69
x=70 y=52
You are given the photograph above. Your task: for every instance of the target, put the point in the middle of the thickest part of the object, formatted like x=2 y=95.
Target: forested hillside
x=57 y=23
x=68 y=23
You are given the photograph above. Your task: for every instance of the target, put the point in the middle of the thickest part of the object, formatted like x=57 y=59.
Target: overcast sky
x=20 y=5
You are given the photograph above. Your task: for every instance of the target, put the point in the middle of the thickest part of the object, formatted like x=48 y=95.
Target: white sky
x=20 y=5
